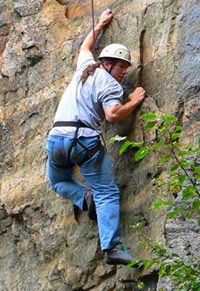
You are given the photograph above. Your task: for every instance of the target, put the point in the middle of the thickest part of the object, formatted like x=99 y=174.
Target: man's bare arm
x=87 y=45
x=118 y=112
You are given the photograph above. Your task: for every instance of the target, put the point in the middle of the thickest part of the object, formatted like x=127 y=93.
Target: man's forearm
x=120 y=112
x=88 y=42
x=104 y=20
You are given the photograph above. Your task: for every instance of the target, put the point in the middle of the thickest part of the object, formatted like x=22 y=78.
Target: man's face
x=119 y=70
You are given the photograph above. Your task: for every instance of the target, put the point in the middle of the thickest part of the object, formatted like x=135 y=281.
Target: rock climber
x=94 y=94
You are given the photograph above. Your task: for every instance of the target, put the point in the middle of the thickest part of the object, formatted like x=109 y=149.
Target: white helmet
x=116 y=51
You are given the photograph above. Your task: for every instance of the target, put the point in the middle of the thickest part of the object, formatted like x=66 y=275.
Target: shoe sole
x=118 y=262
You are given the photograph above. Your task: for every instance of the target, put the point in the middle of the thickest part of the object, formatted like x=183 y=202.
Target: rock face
x=42 y=246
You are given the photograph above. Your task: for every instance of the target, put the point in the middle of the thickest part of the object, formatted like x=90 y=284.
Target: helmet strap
x=112 y=65
x=109 y=71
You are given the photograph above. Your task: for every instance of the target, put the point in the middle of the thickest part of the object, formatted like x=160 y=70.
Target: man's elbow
x=112 y=114
x=111 y=117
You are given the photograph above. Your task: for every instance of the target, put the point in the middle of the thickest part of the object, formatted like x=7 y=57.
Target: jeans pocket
x=49 y=148
x=59 y=154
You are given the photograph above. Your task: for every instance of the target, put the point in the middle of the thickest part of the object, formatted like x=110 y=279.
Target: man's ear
x=107 y=65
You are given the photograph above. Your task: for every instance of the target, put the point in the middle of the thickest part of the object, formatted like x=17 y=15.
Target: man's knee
x=108 y=196
x=52 y=185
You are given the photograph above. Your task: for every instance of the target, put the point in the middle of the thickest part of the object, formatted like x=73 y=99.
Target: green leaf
x=188 y=214
x=174 y=185
x=198 y=221
x=164 y=270
x=197 y=176
x=157 y=205
x=149 y=264
x=127 y=143
x=182 y=178
x=159 y=144
x=174 y=167
x=163 y=129
x=189 y=192
x=148 y=116
x=195 y=151
x=133 y=262
x=168 y=202
x=178 y=271
x=141 y=153
x=178 y=128
x=161 y=270
x=196 y=204
x=174 y=212
x=190 y=162
x=139 y=224
x=183 y=163
x=168 y=146
x=177 y=144
x=150 y=125
x=159 y=249
x=176 y=135
x=182 y=153
x=124 y=146
x=197 y=170
x=169 y=118
x=175 y=255
x=140 y=284
x=167 y=269
x=136 y=144
x=116 y=138
x=164 y=159
x=144 y=247
x=160 y=203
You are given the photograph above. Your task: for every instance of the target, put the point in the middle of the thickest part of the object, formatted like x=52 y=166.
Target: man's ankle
x=85 y=205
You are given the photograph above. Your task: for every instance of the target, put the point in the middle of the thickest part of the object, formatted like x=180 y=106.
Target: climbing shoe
x=90 y=206
x=119 y=256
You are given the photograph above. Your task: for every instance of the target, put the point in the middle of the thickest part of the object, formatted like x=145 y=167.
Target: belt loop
x=76 y=132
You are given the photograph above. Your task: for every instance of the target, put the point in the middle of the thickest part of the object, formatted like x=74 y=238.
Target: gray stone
x=188 y=67
x=27 y=7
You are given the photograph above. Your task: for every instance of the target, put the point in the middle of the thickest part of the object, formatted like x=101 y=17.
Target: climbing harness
x=89 y=153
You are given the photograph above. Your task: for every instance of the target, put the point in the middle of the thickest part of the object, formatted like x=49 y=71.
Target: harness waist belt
x=71 y=123
x=88 y=152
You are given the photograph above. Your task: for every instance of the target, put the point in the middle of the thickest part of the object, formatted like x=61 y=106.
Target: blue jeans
x=100 y=180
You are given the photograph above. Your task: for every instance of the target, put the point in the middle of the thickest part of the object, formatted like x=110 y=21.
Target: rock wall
x=42 y=246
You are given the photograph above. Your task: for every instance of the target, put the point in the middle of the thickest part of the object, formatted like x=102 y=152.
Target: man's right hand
x=138 y=95
x=105 y=18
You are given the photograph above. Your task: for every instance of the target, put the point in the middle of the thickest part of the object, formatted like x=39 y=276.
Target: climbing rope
x=93 y=32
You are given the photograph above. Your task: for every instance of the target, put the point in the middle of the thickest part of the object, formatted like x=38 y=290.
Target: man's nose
x=125 y=71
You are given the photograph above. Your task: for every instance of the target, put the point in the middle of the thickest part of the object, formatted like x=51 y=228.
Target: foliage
x=182 y=165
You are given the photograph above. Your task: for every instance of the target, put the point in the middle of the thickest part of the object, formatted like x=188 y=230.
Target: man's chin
x=120 y=80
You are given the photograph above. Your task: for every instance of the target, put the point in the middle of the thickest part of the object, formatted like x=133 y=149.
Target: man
x=93 y=95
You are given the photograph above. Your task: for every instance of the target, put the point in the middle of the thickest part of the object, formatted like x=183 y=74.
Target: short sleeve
x=82 y=63
x=112 y=95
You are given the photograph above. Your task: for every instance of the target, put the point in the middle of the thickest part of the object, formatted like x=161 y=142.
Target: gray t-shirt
x=86 y=102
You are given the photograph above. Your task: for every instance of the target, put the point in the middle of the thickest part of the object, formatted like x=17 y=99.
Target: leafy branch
x=182 y=165
x=177 y=158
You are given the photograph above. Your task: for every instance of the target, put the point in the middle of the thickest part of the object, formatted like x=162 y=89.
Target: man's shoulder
x=104 y=77
x=83 y=62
